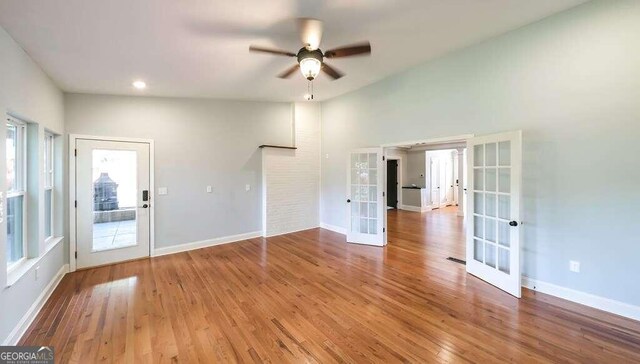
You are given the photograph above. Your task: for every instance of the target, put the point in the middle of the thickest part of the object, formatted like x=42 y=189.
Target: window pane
x=15 y=246
x=12 y=154
x=47 y=213
x=115 y=199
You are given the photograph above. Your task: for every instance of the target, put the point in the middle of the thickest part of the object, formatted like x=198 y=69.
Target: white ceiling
x=199 y=48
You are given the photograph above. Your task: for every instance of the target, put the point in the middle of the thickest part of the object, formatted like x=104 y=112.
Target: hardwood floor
x=310 y=297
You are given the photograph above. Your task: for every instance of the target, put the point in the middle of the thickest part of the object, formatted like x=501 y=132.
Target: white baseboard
x=414 y=208
x=583 y=298
x=16 y=334
x=205 y=243
x=334 y=228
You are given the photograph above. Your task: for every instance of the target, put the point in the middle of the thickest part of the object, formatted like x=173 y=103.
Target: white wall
x=571 y=82
x=291 y=178
x=27 y=92
x=198 y=142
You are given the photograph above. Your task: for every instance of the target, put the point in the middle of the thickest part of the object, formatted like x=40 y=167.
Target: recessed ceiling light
x=140 y=85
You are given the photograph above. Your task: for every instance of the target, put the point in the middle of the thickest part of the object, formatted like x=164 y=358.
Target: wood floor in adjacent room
x=311 y=297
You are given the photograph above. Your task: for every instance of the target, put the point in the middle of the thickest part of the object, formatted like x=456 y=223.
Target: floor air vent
x=457 y=260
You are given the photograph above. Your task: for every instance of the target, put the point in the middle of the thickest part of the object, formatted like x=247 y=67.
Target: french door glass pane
x=47 y=213
x=490 y=229
x=490 y=155
x=478 y=224
x=364 y=193
x=115 y=199
x=478 y=203
x=478 y=250
x=15 y=242
x=504 y=207
x=478 y=155
x=478 y=179
x=504 y=180
x=504 y=152
x=503 y=260
x=504 y=233
x=490 y=255
x=491 y=205
x=490 y=179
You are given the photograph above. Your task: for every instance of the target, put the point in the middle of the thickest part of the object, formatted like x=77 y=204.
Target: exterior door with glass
x=113 y=201
x=365 y=197
x=493 y=230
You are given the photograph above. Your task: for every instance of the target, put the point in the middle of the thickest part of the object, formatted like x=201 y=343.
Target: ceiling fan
x=310 y=58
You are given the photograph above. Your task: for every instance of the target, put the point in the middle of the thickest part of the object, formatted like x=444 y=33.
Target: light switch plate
x=209 y=189
x=162 y=191
x=247 y=187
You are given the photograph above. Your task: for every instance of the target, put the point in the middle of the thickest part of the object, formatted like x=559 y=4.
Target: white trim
x=206 y=243
x=451 y=139
x=16 y=334
x=334 y=228
x=72 y=190
x=583 y=298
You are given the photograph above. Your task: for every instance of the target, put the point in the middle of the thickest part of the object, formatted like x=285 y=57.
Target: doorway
x=112 y=192
x=392 y=183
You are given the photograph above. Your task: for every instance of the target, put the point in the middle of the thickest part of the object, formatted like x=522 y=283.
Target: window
x=16 y=189
x=48 y=185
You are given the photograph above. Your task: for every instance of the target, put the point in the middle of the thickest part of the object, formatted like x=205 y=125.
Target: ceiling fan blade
x=289 y=71
x=272 y=51
x=332 y=72
x=310 y=32
x=348 y=51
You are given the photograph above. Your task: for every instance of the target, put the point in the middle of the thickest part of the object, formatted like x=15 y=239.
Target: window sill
x=24 y=267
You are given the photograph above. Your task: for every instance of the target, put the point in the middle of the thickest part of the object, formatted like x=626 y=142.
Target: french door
x=365 y=198
x=113 y=201
x=493 y=231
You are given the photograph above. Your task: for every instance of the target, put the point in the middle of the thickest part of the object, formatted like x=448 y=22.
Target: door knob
x=144 y=206
x=348 y=201
x=513 y=223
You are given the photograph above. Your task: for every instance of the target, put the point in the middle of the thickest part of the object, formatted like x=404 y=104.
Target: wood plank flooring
x=311 y=297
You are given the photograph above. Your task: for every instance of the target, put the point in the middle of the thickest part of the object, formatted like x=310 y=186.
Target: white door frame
x=72 y=191
x=441 y=140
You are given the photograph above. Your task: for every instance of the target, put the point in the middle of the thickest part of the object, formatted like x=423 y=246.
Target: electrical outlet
x=247 y=187
x=574 y=266
x=209 y=189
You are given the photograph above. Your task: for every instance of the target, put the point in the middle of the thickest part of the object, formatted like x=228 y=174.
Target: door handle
x=144 y=206
x=513 y=223
x=348 y=201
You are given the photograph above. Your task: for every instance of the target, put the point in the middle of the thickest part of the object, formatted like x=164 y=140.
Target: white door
x=434 y=181
x=448 y=179
x=493 y=231
x=112 y=196
x=365 y=200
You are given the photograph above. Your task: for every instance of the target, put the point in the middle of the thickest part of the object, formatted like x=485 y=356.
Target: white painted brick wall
x=291 y=178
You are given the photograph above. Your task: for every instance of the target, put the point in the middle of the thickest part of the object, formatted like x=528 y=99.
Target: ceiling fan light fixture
x=310 y=67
